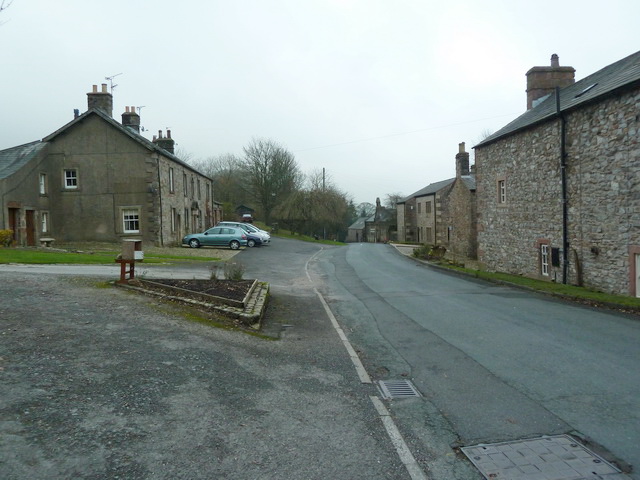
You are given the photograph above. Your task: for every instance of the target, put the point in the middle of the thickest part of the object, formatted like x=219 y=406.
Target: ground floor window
x=544 y=259
x=174 y=219
x=44 y=222
x=131 y=220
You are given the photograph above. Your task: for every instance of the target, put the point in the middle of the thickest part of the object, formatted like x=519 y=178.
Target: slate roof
x=429 y=189
x=127 y=131
x=593 y=88
x=14 y=158
x=359 y=223
x=469 y=181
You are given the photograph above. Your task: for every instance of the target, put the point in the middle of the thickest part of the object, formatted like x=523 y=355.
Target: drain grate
x=397 y=389
x=558 y=457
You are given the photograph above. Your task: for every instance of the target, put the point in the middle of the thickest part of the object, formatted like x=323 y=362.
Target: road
x=494 y=363
x=99 y=383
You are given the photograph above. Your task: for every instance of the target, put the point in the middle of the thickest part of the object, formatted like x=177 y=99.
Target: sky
x=379 y=93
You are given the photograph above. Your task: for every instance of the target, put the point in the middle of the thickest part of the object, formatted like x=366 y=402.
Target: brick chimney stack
x=462 y=161
x=166 y=143
x=131 y=119
x=542 y=81
x=102 y=100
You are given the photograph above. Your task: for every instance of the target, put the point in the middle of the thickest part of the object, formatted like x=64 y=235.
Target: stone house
x=381 y=226
x=460 y=233
x=98 y=180
x=558 y=188
x=356 y=231
x=419 y=216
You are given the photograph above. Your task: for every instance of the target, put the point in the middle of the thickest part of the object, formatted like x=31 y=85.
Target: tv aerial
x=112 y=86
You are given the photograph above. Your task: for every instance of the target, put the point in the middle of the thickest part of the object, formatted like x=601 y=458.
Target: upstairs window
x=186 y=186
x=71 y=179
x=172 y=187
x=502 y=191
x=43 y=184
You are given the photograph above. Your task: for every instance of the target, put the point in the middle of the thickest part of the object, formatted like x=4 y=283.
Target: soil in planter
x=231 y=289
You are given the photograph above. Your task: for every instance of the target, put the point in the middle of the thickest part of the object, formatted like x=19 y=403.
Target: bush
x=430 y=252
x=233 y=271
x=6 y=238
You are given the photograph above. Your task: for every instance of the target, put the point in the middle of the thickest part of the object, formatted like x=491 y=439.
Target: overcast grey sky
x=378 y=92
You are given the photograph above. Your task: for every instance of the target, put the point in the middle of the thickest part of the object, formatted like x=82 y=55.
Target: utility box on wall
x=132 y=250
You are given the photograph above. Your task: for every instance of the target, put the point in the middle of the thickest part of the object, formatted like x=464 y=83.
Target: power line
x=404 y=133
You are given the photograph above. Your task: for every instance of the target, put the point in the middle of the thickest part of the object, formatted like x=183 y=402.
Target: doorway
x=31 y=227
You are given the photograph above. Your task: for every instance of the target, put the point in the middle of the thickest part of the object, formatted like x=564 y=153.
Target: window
x=172 y=188
x=428 y=235
x=199 y=196
x=131 y=220
x=71 y=179
x=193 y=190
x=43 y=184
x=186 y=187
x=44 y=222
x=186 y=218
x=208 y=192
x=419 y=207
x=544 y=259
x=174 y=219
x=427 y=207
x=502 y=191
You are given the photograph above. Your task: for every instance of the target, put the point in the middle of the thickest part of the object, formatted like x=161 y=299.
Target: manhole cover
x=557 y=457
x=397 y=389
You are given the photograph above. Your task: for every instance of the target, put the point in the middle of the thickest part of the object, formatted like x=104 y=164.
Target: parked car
x=221 y=236
x=249 y=228
x=253 y=239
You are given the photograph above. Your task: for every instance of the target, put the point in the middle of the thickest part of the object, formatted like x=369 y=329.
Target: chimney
x=102 y=100
x=542 y=81
x=166 y=143
x=462 y=161
x=131 y=119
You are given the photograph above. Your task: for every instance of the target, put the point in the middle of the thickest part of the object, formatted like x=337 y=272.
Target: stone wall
x=459 y=224
x=603 y=179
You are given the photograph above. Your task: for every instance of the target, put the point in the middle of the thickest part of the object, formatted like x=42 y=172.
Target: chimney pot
x=461 y=147
x=133 y=109
x=95 y=89
x=126 y=109
x=542 y=81
x=168 y=133
x=555 y=61
x=104 y=88
x=159 y=133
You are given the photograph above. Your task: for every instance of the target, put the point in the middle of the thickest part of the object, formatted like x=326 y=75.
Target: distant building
x=381 y=226
x=97 y=180
x=558 y=188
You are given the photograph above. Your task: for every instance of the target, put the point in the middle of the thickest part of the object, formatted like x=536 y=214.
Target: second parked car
x=249 y=228
x=218 y=236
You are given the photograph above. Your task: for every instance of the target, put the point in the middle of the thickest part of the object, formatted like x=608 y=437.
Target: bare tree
x=272 y=173
x=392 y=199
x=365 y=209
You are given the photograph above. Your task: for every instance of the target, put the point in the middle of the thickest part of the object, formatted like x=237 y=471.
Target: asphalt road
x=494 y=363
x=97 y=382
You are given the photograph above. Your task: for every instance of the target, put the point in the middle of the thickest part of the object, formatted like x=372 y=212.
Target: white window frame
x=43 y=183
x=544 y=259
x=502 y=191
x=71 y=178
x=131 y=218
x=44 y=222
x=174 y=216
x=172 y=188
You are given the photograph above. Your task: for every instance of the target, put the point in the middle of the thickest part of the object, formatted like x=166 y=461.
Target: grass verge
x=32 y=256
x=552 y=288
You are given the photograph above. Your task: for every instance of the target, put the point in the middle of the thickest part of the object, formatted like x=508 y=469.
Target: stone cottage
x=558 y=188
x=96 y=179
x=419 y=216
x=381 y=226
x=459 y=213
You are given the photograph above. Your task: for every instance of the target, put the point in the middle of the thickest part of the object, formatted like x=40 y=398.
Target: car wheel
x=234 y=245
x=193 y=243
x=251 y=242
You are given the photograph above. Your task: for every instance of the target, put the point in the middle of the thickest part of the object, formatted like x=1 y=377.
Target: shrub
x=6 y=237
x=233 y=271
x=430 y=252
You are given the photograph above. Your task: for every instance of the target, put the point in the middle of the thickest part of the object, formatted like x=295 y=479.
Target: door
x=31 y=228
x=13 y=223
